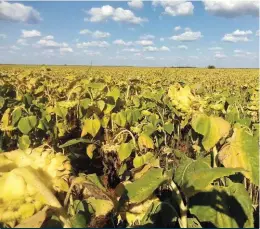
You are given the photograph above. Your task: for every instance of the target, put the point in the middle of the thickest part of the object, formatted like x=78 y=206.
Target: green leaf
x=16 y=115
x=74 y=141
x=26 y=124
x=99 y=86
x=79 y=221
x=160 y=213
x=125 y=150
x=61 y=111
x=132 y=116
x=85 y=103
x=91 y=126
x=2 y=102
x=193 y=223
x=144 y=187
x=147 y=158
x=115 y=93
x=105 y=120
x=120 y=118
x=149 y=129
x=43 y=124
x=101 y=104
x=168 y=127
x=224 y=207
x=242 y=152
x=24 y=142
x=195 y=176
x=212 y=128
x=93 y=178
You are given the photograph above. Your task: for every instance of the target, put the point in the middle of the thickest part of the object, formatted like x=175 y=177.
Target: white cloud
x=162 y=39
x=144 y=42
x=85 y=31
x=164 y=48
x=130 y=50
x=136 y=4
x=215 y=48
x=236 y=36
x=123 y=43
x=177 y=28
x=220 y=56
x=116 y=14
x=49 y=37
x=175 y=8
x=17 y=12
x=187 y=36
x=232 y=38
x=22 y=41
x=96 y=34
x=98 y=44
x=13 y=47
x=155 y=49
x=182 y=47
x=150 y=49
x=30 y=33
x=50 y=44
x=3 y=36
x=66 y=49
x=257 y=33
x=242 y=33
x=99 y=34
x=231 y=8
x=147 y=37
x=92 y=53
x=242 y=53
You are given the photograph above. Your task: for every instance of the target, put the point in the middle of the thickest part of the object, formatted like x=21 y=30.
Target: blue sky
x=224 y=33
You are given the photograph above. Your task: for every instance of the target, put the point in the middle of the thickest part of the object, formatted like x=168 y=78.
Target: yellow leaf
x=144 y=141
x=90 y=149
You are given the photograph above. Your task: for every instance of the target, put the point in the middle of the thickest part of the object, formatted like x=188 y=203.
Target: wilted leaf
x=101 y=207
x=90 y=149
x=144 y=141
x=212 y=128
x=242 y=152
x=34 y=221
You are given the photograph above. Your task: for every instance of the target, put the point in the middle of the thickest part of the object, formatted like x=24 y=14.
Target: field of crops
x=128 y=147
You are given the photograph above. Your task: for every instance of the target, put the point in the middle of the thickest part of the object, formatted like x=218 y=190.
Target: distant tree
x=211 y=67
